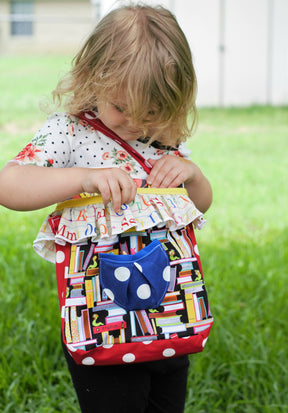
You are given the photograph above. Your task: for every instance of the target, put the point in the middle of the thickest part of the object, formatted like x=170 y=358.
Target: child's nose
x=131 y=126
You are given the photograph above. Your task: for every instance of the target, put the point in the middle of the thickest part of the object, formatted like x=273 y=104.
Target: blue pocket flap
x=136 y=282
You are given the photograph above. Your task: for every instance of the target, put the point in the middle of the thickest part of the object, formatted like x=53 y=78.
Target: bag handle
x=97 y=124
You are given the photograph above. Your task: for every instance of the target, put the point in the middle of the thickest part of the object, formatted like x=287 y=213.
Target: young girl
x=135 y=74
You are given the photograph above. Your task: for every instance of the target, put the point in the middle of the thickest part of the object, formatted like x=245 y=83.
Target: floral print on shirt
x=29 y=153
x=120 y=158
x=64 y=141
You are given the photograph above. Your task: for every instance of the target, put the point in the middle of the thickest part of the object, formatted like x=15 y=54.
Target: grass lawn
x=243 y=368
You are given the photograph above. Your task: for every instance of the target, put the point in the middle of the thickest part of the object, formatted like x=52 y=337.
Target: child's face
x=114 y=118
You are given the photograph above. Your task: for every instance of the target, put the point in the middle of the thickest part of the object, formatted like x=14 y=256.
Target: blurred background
x=240 y=51
x=240 y=48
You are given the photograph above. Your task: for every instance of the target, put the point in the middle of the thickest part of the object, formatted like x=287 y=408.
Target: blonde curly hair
x=137 y=54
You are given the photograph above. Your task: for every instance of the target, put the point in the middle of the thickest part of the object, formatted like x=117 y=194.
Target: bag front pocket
x=136 y=282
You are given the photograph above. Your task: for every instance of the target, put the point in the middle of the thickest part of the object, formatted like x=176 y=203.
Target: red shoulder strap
x=92 y=120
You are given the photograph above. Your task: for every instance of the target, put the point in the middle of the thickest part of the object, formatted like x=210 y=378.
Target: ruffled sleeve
x=51 y=145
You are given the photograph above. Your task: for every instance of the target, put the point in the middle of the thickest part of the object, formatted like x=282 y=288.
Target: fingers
x=152 y=161
x=123 y=191
x=117 y=185
x=163 y=173
x=128 y=191
x=115 y=194
x=169 y=172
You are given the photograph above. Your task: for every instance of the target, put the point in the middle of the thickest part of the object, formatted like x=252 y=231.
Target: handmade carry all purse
x=130 y=286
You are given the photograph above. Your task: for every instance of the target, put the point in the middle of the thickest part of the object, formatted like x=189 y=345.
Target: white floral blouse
x=65 y=141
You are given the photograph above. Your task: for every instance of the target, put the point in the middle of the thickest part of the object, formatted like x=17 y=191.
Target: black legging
x=154 y=387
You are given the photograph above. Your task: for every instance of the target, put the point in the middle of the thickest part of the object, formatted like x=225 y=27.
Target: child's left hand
x=171 y=171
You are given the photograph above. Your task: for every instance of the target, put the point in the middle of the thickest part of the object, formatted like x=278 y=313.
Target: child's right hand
x=30 y=187
x=110 y=183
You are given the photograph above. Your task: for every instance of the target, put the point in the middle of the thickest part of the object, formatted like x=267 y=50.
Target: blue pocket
x=136 y=282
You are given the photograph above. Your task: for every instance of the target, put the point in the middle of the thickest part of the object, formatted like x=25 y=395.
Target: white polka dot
x=204 y=342
x=122 y=273
x=109 y=293
x=169 y=352
x=196 y=249
x=107 y=345
x=147 y=341
x=144 y=291
x=128 y=358
x=138 y=266
x=167 y=273
x=60 y=257
x=88 y=361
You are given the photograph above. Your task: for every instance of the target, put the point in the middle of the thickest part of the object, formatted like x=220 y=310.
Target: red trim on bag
x=139 y=352
x=62 y=261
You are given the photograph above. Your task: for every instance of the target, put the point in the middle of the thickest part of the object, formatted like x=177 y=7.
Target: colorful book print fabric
x=98 y=331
